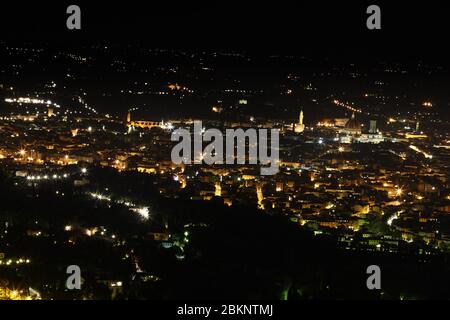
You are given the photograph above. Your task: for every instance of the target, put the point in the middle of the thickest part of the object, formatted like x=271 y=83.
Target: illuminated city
x=87 y=179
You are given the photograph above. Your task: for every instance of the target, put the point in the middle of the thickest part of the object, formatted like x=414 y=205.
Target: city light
x=362 y=172
x=418 y=150
x=100 y=197
x=15 y=294
x=391 y=219
x=143 y=212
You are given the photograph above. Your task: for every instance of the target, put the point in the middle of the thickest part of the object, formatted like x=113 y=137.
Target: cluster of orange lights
x=13 y=294
x=347 y=106
x=216 y=109
x=325 y=124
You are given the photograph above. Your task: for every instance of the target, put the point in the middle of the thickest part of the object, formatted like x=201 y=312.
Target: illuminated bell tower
x=373 y=126
x=260 y=196
x=299 y=127
x=129 y=124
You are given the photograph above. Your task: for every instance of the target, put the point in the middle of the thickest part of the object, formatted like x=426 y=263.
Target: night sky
x=409 y=29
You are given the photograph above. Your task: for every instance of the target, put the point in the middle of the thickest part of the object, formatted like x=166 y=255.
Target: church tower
x=299 y=127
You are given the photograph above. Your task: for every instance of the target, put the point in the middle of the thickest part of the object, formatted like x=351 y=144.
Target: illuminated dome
x=353 y=124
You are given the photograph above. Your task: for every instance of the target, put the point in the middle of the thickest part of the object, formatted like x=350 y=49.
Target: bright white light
x=83 y=170
x=416 y=149
x=143 y=212
x=391 y=219
x=100 y=197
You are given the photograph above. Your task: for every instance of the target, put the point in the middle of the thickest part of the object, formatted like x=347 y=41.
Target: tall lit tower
x=260 y=196
x=129 y=117
x=373 y=126
x=299 y=127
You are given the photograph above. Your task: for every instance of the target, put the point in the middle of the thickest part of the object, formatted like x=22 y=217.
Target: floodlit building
x=142 y=123
x=373 y=136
